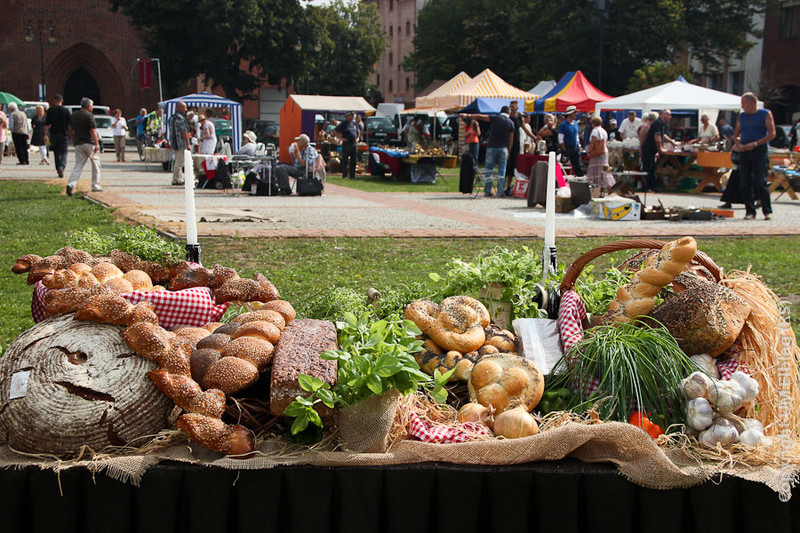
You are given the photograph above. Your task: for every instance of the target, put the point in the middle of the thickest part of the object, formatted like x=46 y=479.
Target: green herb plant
x=638 y=368
x=597 y=292
x=517 y=270
x=137 y=240
x=373 y=358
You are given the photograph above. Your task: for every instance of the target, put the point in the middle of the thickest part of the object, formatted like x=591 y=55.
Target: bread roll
x=503 y=381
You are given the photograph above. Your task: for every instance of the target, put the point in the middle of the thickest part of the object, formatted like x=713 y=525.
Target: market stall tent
x=298 y=115
x=678 y=94
x=486 y=105
x=543 y=87
x=487 y=84
x=204 y=100
x=572 y=89
x=450 y=86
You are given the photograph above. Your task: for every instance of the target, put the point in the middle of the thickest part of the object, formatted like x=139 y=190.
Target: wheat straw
x=760 y=340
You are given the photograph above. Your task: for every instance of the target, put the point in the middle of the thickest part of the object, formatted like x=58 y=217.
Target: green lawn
x=37 y=218
x=365 y=182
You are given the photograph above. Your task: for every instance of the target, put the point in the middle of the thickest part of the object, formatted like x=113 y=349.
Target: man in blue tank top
x=754 y=129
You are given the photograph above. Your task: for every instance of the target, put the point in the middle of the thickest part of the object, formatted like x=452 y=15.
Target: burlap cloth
x=636 y=456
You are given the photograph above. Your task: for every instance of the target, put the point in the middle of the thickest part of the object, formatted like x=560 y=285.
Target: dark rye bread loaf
x=297 y=352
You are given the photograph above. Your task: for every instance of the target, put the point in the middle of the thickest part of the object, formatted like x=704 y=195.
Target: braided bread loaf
x=638 y=297
x=456 y=324
x=224 y=363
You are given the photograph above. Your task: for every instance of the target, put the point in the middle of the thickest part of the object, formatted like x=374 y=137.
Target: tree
x=239 y=44
x=526 y=41
x=230 y=43
x=657 y=74
x=350 y=42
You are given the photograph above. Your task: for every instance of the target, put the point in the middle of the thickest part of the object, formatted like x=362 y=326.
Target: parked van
x=392 y=111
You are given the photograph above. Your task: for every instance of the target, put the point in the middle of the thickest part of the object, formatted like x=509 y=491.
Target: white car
x=105 y=131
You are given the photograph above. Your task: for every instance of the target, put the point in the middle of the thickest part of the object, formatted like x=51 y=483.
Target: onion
x=515 y=423
x=476 y=413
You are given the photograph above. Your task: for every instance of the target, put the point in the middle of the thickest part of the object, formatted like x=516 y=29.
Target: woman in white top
x=598 y=142
x=707 y=133
x=208 y=141
x=120 y=127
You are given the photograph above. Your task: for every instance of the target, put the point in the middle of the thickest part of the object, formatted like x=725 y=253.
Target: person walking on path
x=754 y=129
x=568 y=140
x=38 y=127
x=348 y=132
x=178 y=133
x=57 y=122
x=19 y=133
x=3 y=126
x=83 y=132
x=120 y=129
x=501 y=136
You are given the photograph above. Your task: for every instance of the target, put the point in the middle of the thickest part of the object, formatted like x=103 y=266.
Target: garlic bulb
x=699 y=414
x=754 y=438
x=697 y=385
x=707 y=363
x=743 y=424
x=722 y=432
x=748 y=384
x=726 y=396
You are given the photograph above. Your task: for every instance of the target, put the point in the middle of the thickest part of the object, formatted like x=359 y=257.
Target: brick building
x=85 y=49
x=399 y=20
x=81 y=47
x=780 y=68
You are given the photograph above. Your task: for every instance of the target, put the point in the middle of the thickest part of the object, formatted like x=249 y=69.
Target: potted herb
x=375 y=367
x=504 y=280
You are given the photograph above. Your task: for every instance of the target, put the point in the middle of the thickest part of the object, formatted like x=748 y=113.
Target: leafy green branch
x=373 y=358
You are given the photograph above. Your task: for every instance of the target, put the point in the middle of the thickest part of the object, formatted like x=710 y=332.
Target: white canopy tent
x=675 y=95
x=204 y=100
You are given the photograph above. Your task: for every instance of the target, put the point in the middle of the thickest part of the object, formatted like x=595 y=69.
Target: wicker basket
x=577 y=266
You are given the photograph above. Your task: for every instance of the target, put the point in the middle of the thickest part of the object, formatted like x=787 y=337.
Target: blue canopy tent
x=487 y=106
x=204 y=100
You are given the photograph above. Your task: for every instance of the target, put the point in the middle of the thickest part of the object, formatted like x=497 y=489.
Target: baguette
x=638 y=297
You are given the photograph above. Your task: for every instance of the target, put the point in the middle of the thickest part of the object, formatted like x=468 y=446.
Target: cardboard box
x=616 y=208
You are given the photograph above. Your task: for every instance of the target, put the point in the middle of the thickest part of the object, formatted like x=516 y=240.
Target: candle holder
x=549 y=261
x=193 y=253
x=548 y=299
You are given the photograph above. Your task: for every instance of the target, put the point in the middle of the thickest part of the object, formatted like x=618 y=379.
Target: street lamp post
x=51 y=39
x=303 y=81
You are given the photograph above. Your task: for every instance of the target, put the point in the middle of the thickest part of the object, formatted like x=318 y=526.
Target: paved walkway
x=142 y=192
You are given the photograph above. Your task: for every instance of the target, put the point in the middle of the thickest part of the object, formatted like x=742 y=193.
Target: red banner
x=146 y=73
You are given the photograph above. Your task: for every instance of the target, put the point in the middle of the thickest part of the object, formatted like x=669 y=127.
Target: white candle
x=550 y=209
x=191 y=218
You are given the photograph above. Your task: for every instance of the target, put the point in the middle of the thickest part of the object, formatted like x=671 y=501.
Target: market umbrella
x=7 y=98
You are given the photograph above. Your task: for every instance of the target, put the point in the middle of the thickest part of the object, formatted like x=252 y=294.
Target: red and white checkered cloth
x=189 y=307
x=728 y=362
x=440 y=434
x=570 y=323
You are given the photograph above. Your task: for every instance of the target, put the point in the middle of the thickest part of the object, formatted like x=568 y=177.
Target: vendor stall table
x=157 y=155
x=779 y=178
x=565 y=495
x=712 y=162
x=525 y=162
x=677 y=165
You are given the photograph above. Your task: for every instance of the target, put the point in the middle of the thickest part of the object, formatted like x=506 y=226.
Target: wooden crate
x=714 y=159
